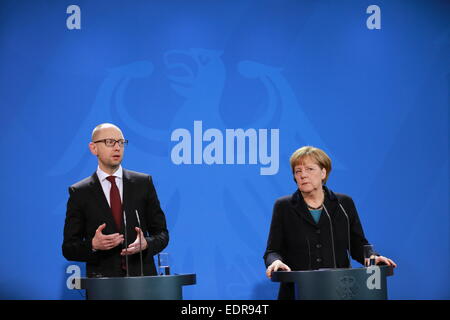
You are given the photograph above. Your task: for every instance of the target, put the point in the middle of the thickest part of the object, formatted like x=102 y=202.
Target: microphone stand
x=140 y=243
x=349 y=253
x=332 y=237
x=126 y=241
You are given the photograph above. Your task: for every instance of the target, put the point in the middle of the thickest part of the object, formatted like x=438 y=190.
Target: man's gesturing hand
x=135 y=247
x=105 y=242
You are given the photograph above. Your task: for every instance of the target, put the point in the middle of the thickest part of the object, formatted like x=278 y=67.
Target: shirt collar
x=102 y=175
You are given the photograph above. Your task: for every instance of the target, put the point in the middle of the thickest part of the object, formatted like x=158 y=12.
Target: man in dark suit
x=94 y=228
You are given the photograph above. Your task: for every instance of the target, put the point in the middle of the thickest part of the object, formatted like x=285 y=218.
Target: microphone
x=349 y=253
x=126 y=241
x=140 y=243
x=332 y=237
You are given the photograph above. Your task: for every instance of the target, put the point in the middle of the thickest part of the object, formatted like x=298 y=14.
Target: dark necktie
x=116 y=203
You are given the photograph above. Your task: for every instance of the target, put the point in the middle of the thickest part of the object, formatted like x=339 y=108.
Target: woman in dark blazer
x=314 y=227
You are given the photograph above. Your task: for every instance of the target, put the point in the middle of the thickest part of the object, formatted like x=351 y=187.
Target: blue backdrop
x=289 y=73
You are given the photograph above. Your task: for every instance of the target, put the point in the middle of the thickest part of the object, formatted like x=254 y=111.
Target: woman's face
x=309 y=175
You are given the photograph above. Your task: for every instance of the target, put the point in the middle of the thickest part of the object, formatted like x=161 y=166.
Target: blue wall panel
x=376 y=100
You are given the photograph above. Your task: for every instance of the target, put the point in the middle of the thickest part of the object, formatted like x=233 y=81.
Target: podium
x=137 y=288
x=338 y=284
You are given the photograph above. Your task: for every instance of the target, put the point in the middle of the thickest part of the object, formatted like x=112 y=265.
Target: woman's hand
x=275 y=266
x=386 y=261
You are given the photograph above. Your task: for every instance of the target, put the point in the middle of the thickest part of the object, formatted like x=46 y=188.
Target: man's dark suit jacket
x=300 y=243
x=87 y=209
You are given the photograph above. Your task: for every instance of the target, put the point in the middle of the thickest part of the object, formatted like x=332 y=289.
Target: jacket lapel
x=127 y=204
x=127 y=192
x=331 y=204
x=301 y=209
x=104 y=208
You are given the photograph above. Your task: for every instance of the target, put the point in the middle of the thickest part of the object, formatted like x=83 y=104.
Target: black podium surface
x=137 y=288
x=338 y=284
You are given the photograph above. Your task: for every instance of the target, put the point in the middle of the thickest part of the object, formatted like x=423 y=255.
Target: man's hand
x=275 y=266
x=105 y=242
x=135 y=247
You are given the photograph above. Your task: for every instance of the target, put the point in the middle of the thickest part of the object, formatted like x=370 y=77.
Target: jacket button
x=318 y=246
x=319 y=260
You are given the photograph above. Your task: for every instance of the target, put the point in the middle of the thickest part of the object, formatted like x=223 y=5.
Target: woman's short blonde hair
x=317 y=155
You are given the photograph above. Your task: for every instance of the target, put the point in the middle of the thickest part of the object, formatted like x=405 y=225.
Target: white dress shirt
x=106 y=185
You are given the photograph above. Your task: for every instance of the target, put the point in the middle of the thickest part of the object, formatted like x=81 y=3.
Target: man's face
x=109 y=158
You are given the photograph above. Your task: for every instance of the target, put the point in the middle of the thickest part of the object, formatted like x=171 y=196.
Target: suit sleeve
x=76 y=246
x=156 y=222
x=275 y=239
